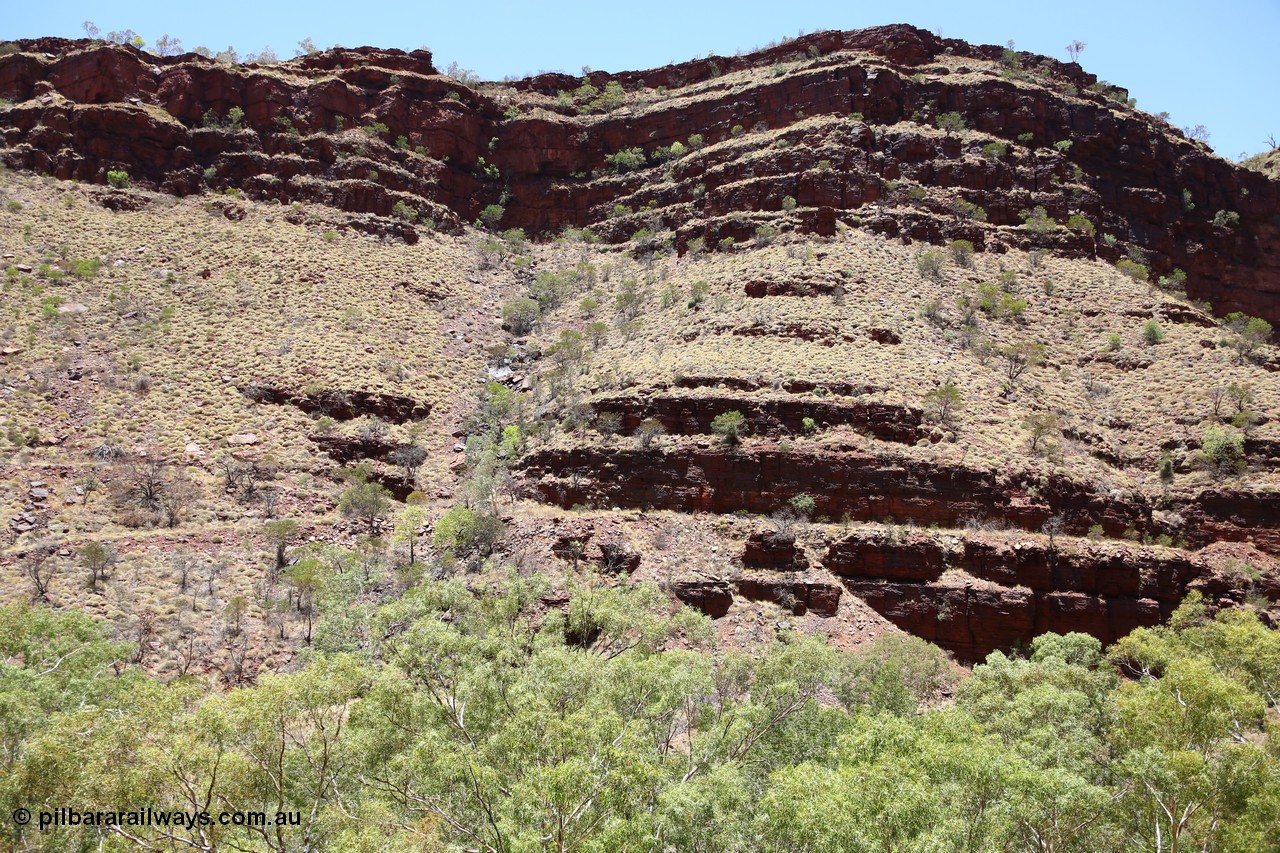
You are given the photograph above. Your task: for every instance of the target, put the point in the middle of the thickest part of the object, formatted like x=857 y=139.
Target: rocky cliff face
x=841 y=123
x=826 y=337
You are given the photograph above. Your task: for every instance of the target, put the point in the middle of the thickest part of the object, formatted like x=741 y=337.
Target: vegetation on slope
x=489 y=722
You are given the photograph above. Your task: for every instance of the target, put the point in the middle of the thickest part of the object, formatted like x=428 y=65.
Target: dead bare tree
x=40 y=568
x=142 y=482
x=182 y=564
x=177 y=498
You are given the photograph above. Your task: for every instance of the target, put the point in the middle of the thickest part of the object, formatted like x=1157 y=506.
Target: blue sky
x=1208 y=64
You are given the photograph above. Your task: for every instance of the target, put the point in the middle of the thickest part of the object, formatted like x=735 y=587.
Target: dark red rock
x=342 y=405
x=866 y=488
x=800 y=597
x=774 y=551
x=714 y=598
x=684 y=415
x=857 y=556
x=1132 y=168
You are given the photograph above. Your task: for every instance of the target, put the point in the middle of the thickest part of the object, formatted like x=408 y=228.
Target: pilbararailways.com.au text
x=148 y=817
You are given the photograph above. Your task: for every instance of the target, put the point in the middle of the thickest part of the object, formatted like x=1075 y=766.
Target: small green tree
x=1242 y=395
x=367 y=502
x=648 y=430
x=1251 y=333
x=1152 y=333
x=1226 y=218
x=730 y=426
x=1040 y=425
x=598 y=333
x=950 y=123
x=944 y=401
x=1076 y=222
x=1019 y=357
x=962 y=253
x=99 y=559
x=1038 y=221
x=463 y=531
x=306 y=577
x=803 y=504
x=930 y=263
x=1221 y=451
x=1134 y=270
x=279 y=534
x=118 y=178
x=520 y=315
x=408 y=522
x=627 y=160
x=491 y=215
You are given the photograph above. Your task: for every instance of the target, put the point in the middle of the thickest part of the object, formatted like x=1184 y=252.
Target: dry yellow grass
x=1136 y=401
x=189 y=305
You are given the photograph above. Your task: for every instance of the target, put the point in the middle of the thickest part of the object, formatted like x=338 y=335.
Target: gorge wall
x=841 y=122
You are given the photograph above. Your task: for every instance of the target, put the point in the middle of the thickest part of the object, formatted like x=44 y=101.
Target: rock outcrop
x=848 y=118
x=976 y=596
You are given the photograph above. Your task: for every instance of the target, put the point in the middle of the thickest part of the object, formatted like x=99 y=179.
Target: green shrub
x=1038 y=221
x=89 y=267
x=995 y=150
x=463 y=531
x=950 y=123
x=520 y=315
x=610 y=99
x=962 y=252
x=627 y=160
x=367 y=502
x=944 y=401
x=930 y=263
x=674 y=151
x=1175 y=281
x=1221 y=451
x=766 y=234
x=1041 y=426
x=730 y=425
x=1152 y=333
x=118 y=178
x=491 y=215
x=1076 y=222
x=1226 y=218
x=1251 y=332
x=968 y=210
x=803 y=505
x=697 y=293
x=1134 y=270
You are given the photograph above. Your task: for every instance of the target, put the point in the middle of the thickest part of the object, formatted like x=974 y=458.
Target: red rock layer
x=83 y=110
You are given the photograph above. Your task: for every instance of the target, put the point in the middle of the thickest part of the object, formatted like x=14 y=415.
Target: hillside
x=415 y=407
x=270 y=265
x=1268 y=162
